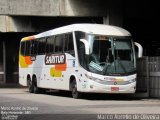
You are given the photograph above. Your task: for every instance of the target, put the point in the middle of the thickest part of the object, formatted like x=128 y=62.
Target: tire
x=75 y=93
x=35 y=88
x=30 y=85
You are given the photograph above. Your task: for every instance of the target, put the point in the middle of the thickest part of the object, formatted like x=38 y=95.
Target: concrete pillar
x=106 y=20
x=4 y=62
x=16 y=24
x=30 y=7
x=88 y=8
x=114 y=13
x=2 y=23
x=53 y=7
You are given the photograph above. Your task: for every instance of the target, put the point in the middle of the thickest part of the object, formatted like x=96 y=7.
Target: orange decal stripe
x=28 y=60
x=61 y=67
x=22 y=62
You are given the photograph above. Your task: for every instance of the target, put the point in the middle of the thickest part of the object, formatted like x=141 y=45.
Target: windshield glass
x=111 y=55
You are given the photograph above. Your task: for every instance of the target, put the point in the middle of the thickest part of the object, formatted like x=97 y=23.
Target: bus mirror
x=140 y=49
x=86 y=44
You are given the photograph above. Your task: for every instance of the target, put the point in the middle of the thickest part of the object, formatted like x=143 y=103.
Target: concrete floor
x=56 y=103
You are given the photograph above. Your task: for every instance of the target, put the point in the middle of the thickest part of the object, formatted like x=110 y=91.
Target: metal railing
x=1 y=76
x=148 y=79
x=154 y=76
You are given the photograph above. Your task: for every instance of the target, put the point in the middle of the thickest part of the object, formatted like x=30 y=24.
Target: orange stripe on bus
x=28 y=60
x=61 y=67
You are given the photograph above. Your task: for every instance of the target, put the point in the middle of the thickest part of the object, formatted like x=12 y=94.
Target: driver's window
x=82 y=54
x=81 y=48
x=95 y=53
x=101 y=51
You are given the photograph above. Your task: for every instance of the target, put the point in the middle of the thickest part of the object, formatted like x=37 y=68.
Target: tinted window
x=79 y=35
x=34 y=44
x=80 y=47
x=41 y=45
x=59 y=43
x=27 y=48
x=50 y=44
x=68 y=44
x=23 y=48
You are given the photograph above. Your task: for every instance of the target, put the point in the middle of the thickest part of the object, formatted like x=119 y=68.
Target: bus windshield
x=111 y=55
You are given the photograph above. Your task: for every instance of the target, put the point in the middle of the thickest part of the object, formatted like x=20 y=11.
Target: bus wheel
x=35 y=88
x=30 y=85
x=75 y=93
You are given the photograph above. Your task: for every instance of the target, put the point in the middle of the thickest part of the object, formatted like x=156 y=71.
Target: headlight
x=97 y=80
x=132 y=80
x=93 y=78
x=88 y=76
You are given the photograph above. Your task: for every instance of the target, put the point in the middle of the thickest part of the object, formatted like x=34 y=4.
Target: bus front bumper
x=101 y=88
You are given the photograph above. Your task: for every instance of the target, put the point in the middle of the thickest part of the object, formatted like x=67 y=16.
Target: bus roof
x=100 y=29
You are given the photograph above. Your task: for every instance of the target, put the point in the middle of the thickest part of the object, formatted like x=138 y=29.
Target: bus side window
x=33 y=46
x=41 y=46
x=22 y=48
x=70 y=44
x=69 y=47
x=59 y=43
x=79 y=35
x=28 y=48
x=50 y=44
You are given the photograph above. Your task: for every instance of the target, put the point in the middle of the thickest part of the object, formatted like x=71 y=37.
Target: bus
x=81 y=58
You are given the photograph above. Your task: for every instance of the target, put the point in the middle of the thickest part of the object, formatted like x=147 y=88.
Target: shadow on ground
x=93 y=96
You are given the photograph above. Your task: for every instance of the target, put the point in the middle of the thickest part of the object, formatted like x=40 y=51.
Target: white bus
x=80 y=58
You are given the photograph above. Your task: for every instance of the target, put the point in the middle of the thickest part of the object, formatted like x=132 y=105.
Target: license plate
x=114 y=88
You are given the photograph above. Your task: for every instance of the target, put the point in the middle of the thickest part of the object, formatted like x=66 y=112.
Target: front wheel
x=75 y=93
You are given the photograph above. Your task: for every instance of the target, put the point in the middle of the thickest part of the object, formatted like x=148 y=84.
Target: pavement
x=11 y=85
x=60 y=105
